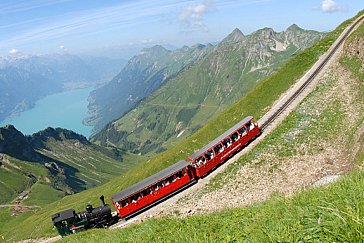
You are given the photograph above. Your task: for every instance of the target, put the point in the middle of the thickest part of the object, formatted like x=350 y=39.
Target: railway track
x=264 y=124
x=311 y=77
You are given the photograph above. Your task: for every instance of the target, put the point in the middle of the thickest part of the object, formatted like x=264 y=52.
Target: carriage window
x=209 y=155
x=227 y=142
x=124 y=203
x=242 y=131
x=218 y=149
x=250 y=126
x=200 y=161
x=169 y=180
x=235 y=136
x=134 y=199
x=145 y=192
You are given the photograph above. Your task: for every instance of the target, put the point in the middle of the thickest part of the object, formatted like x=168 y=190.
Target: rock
x=326 y=180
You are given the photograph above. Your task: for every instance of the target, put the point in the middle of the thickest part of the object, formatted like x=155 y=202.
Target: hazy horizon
x=124 y=27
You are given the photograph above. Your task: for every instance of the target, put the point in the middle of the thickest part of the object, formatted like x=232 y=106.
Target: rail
x=312 y=76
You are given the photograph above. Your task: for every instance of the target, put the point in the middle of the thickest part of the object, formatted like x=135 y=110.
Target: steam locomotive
x=163 y=184
x=69 y=222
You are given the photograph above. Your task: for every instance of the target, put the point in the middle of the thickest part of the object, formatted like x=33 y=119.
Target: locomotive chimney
x=102 y=198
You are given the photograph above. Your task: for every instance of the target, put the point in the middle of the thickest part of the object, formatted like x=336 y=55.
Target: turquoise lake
x=65 y=110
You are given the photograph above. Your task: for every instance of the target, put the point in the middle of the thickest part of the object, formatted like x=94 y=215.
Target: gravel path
x=169 y=206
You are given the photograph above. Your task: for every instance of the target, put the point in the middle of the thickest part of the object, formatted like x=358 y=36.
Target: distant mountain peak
x=154 y=50
x=198 y=46
x=235 y=36
x=294 y=27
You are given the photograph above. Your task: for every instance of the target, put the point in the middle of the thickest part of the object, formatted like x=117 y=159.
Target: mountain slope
x=58 y=158
x=142 y=75
x=320 y=140
x=197 y=94
x=37 y=225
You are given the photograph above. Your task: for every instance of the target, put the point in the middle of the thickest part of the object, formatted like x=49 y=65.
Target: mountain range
x=57 y=160
x=143 y=74
x=186 y=100
x=26 y=78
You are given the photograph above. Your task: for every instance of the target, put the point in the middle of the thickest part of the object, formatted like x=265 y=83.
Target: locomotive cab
x=69 y=222
x=63 y=221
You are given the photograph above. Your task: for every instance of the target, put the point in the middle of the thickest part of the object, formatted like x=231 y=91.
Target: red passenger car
x=153 y=189
x=224 y=146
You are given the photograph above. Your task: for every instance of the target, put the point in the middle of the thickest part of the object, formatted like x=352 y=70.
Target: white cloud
x=192 y=16
x=13 y=51
x=330 y=6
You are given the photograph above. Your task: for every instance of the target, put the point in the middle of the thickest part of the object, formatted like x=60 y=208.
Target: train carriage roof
x=221 y=137
x=151 y=180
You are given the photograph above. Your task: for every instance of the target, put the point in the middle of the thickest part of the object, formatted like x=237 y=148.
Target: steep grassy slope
x=142 y=75
x=255 y=103
x=185 y=103
x=324 y=135
x=329 y=214
x=54 y=160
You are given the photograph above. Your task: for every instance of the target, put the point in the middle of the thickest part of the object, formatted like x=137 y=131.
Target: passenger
x=251 y=126
x=221 y=149
x=117 y=205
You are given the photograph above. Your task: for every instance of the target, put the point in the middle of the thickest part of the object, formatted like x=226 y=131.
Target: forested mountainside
x=143 y=74
x=200 y=92
x=59 y=161
x=24 y=79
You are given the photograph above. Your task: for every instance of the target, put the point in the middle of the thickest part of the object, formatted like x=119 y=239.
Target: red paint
x=151 y=198
x=189 y=173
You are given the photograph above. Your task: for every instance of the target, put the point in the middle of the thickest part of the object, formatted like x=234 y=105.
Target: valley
x=228 y=71
x=77 y=127
x=25 y=79
x=54 y=162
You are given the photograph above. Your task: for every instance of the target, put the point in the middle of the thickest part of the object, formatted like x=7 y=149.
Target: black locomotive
x=69 y=222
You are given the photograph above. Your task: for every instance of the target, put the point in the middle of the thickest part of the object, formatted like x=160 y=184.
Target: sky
x=53 y=26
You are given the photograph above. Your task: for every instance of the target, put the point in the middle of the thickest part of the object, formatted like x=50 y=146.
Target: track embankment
x=190 y=200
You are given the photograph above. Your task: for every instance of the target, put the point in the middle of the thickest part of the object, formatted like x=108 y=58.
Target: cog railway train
x=167 y=182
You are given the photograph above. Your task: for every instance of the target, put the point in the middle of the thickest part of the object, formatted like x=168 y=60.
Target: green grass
x=42 y=194
x=14 y=178
x=254 y=103
x=195 y=96
x=328 y=214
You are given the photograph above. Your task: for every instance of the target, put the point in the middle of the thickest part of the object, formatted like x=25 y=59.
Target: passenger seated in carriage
x=218 y=149
x=201 y=161
x=235 y=137
x=242 y=131
x=227 y=142
x=209 y=155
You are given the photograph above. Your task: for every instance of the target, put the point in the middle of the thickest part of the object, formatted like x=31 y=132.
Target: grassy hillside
x=142 y=75
x=329 y=214
x=199 y=93
x=255 y=103
x=327 y=120
x=54 y=162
